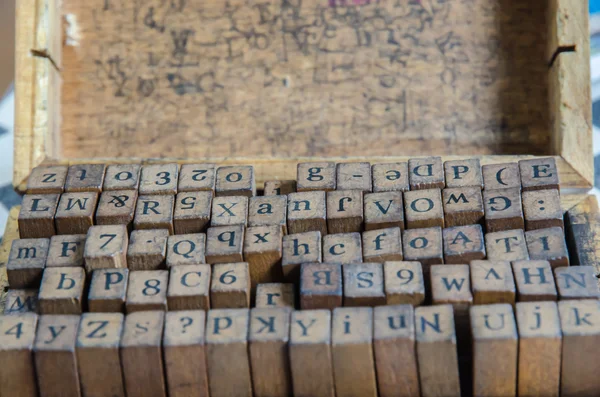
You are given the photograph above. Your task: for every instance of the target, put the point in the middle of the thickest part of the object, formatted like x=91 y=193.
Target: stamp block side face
x=192 y=211
x=279 y=188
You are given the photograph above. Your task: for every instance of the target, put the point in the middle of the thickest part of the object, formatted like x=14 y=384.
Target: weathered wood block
x=159 y=179
x=192 y=212
x=85 y=178
x=426 y=173
x=36 y=217
x=298 y=249
x=306 y=212
x=390 y=177
x=316 y=176
x=106 y=247
x=508 y=245
x=425 y=246
x=320 y=286
x=21 y=301
x=61 y=290
x=45 y=179
x=492 y=282
x=17 y=335
x=117 y=207
x=452 y=284
x=122 y=177
x=382 y=245
x=363 y=285
x=225 y=244
x=542 y=209
x=548 y=244
x=279 y=188
x=75 y=212
x=268 y=211
x=354 y=176
x=404 y=283
x=230 y=286
x=154 y=212
x=539 y=174
x=186 y=249
x=263 y=250
x=383 y=210
x=463 y=173
x=463 y=244
x=229 y=210
x=503 y=210
x=534 y=281
x=581 y=228
x=344 y=248
x=147 y=290
x=576 y=282
x=26 y=262
x=344 y=211
x=423 y=208
x=189 y=287
x=147 y=249
x=275 y=295
x=197 y=177
x=462 y=206
x=66 y=250
x=501 y=176
x=236 y=181
x=108 y=290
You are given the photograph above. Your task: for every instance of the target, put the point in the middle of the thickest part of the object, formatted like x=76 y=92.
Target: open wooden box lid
x=272 y=83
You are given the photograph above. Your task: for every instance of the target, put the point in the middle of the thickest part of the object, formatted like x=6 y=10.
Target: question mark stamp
x=185 y=322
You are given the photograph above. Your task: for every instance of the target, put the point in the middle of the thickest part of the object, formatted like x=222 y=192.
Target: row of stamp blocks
x=534 y=348
x=521 y=195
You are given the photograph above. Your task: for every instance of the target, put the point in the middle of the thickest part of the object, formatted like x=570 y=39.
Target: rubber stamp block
x=363 y=285
x=61 y=290
x=21 y=301
x=425 y=246
x=508 y=245
x=17 y=335
x=66 y=250
x=108 y=290
x=492 y=282
x=116 y=207
x=542 y=209
x=192 y=212
x=404 y=283
x=452 y=284
x=539 y=174
x=189 y=287
x=354 y=176
x=263 y=250
x=197 y=177
x=576 y=282
x=185 y=354
x=548 y=244
x=47 y=179
x=141 y=344
x=186 y=249
x=268 y=347
x=230 y=286
x=278 y=188
x=75 y=212
x=227 y=353
x=344 y=211
x=98 y=359
x=154 y=212
x=463 y=244
x=395 y=351
x=229 y=210
x=268 y=211
x=540 y=345
x=495 y=350
x=503 y=210
x=390 y=177
x=320 y=286
x=106 y=247
x=462 y=206
x=426 y=173
x=147 y=249
x=36 y=217
x=275 y=295
x=581 y=229
x=501 y=176
x=85 y=178
x=298 y=249
x=26 y=262
x=55 y=360
x=580 y=324
x=316 y=176
x=159 y=179
x=310 y=353
x=236 y=181
x=122 y=177
x=382 y=245
x=436 y=351
x=147 y=290
x=225 y=244
x=344 y=248
x=534 y=280
x=352 y=348
x=463 y=173
x=383 y=210
x=423 y=208
x=306 y=212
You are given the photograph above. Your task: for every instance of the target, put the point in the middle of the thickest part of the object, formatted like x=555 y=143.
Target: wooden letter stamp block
x=108 y=290
x=577 y=282
x=426 y=173
x=192 y=212
x=186 y=249
x=306 y=212
x=508 y=245
x=462 y=206
x=310 y=353
x=197 y=177
x=344 y=248
x=463 y=244
x=320 y=286
x=159 y=179
x=395 y=351
x=344 y=211
x=539 y=174
x=540 y=345
x=354 y=176
x=230 y=286
x=542 y=209
x=268 y=211
x=225 y=244
x=66 y=250
x=534 y=280
x=501 y=176
x=47 y=179
x=425 y=246
x=436 y=351
x=147 y=290
x=384 y=210
x=236 y=181
x=462 y=173
x=189 y=287
x=495 y=350
x=382 y=245
x=503 y=210
x=363 y=285
x=141 y=354
x=492 y=282
x=184 y=354
x=316 y=176
x=17 y=335
x=26 y=262
x=227 y=353
x=404 y=283
x=580 y=324
x=105 y=247
x=147 y=249
x=353 y=362
x=278 y=188
x=154 y=212
x=229 y=210
x=61 y=291
x=98 y=359
x=298 y=249
x=36 y=217
x=55 y=360
x=390 y=177
x=548 y=244
x=452 y=284
x=75 y=212
x=85 y=178
x=423 y=208
x=275 y=295
x=269 y=358
x=121 y=177
x=116 y=207
x=21 y=301
x=263 y=249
